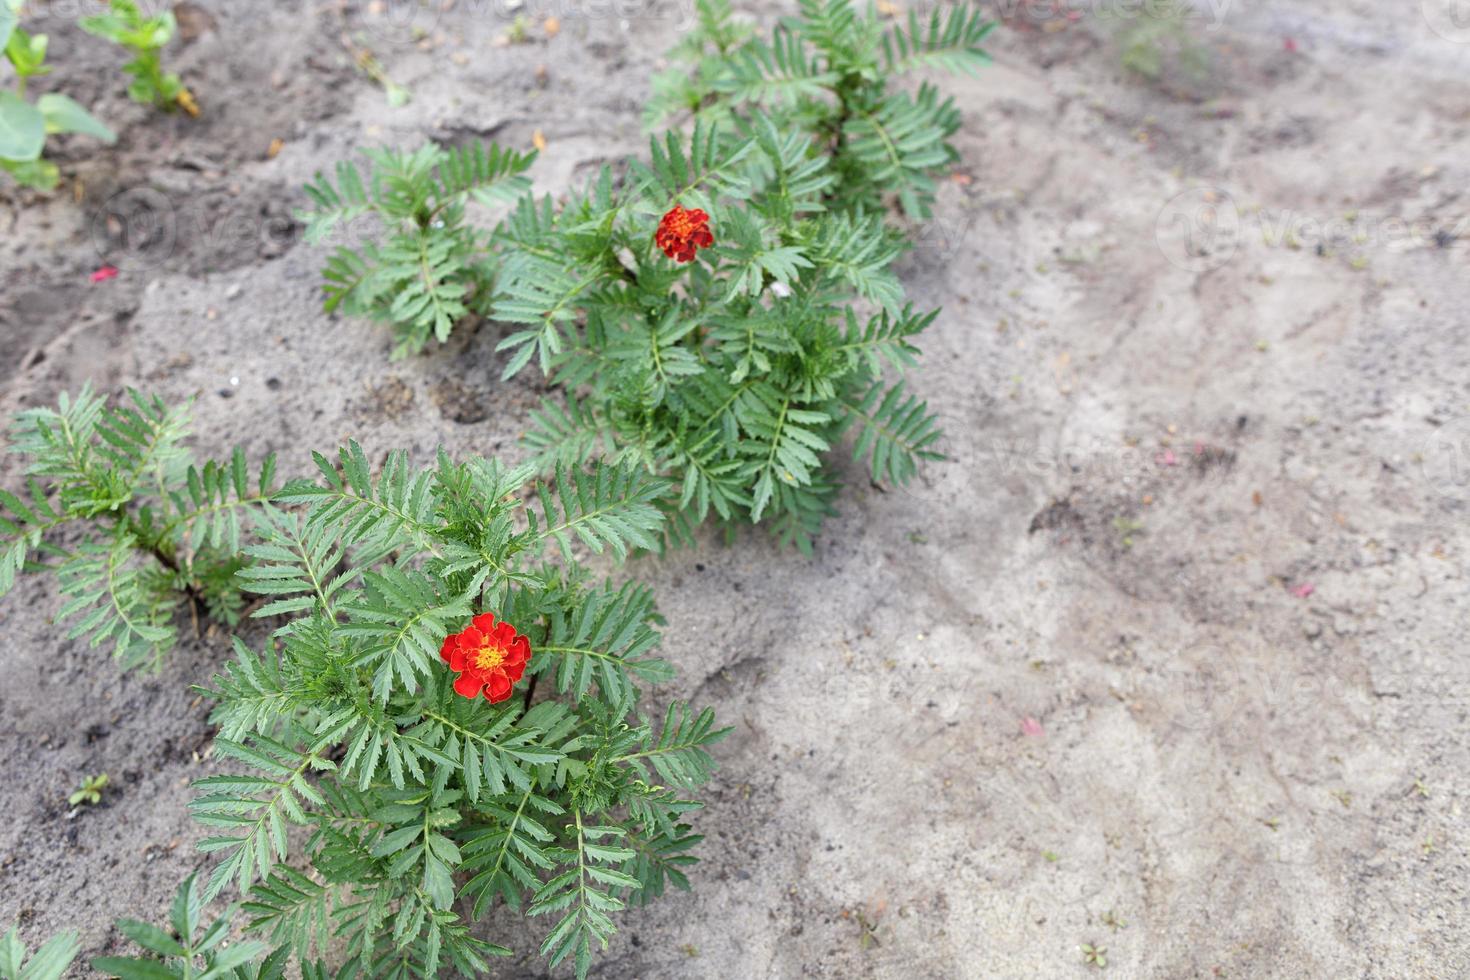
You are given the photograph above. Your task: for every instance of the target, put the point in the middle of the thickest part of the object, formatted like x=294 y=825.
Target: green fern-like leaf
x=692 y=178
x=291 y=909
x=835 y=29
x=605 y=640
x=582 y=894
x=23 y=526
x=894 y=432
x=399 y=622
x=338 y=204
x=678 y=752
x=543 y=294
x=486 y=172
x=494 y=757
x=374 y=515
x=951 y=44
x=295 y=564
x=507 y=857
x=775 y=73
x=210 y=503
x=566 y=434
x=884 y=339
x=855 y=249
x=430 y=286
x=753 y=256
x=660 y=860
x=793 y=179
x=784 y=443
x=254 y=811
x=608 y=507
x=117 y=600
x=62 y=446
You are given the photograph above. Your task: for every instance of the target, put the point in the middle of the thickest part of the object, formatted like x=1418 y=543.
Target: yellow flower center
x=489 y=656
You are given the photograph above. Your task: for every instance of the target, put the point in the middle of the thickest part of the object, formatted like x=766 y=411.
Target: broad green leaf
x=9 y=17
x=64 y=114
x=22 y=128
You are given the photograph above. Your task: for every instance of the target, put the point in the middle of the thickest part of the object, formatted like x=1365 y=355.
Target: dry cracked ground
x=1168 y=656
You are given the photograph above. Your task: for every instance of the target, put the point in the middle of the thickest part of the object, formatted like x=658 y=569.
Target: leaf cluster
x=826 y=73
x=24 y=125
x=132 y=525
x=428 y=269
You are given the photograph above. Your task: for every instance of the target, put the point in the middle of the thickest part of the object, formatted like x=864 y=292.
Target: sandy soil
x=1168 y=657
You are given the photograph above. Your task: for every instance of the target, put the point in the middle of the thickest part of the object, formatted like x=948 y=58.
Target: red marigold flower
x=489 y=656
x=682 y=232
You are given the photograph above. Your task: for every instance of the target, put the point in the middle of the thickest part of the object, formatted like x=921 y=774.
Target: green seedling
x=146 y=37
x=24 y=125
x=90 y=792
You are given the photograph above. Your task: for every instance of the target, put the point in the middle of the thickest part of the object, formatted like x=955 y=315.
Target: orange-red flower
x=490 y=656
x=682 y=232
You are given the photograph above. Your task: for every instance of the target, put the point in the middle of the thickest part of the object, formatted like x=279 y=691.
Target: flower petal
x=467 y=685
x=451 y=643
x=485 y=622
x=499 y=687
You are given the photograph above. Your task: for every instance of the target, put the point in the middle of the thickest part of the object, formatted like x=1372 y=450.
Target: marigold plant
x=147 y=530
x=406 y=596
x=451 y=705
x=722 y=314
